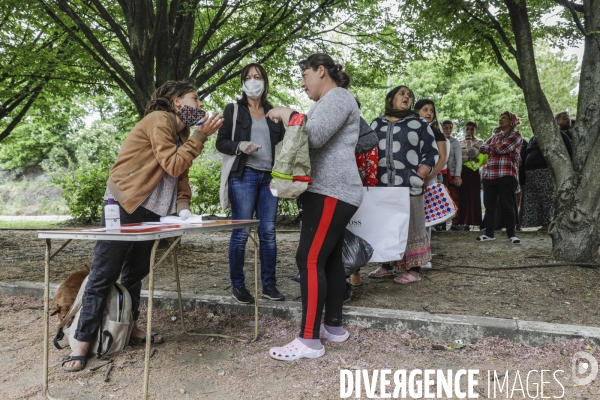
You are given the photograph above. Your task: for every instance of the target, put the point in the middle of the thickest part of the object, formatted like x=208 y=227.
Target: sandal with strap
x=407 y=278
x=484 y=238
x=295 y=351
x=157 y=338
x=77 y=368
x=381 y=273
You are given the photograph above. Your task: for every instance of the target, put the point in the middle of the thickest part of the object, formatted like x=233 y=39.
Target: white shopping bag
x=382 y=220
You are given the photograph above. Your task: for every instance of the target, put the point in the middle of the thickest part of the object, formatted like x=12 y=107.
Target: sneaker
x=242 y=295
x=270 y=292
x=484 y=238
x=454 y=228
x=514 y=240
x=324 y=334
x=348 y=292
x=428 y=265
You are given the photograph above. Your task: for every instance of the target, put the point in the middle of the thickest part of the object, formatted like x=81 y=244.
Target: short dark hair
x=162 y=98
x=334 y=70
x=557 y=116
x=263 y=74
x=471 y=123
x=447 y=122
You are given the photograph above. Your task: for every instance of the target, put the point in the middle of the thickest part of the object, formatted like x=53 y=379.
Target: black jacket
x=535 y=159
x=242 y=133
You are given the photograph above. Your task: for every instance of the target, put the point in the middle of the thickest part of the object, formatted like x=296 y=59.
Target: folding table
x=138 y=233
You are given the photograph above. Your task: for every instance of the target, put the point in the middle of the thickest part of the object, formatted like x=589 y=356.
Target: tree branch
x=571 y=6
x=503 y=63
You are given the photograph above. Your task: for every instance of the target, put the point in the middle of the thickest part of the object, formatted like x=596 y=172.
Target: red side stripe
x=313 y=256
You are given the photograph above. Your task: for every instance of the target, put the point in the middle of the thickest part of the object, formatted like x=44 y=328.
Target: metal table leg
x=150 y=309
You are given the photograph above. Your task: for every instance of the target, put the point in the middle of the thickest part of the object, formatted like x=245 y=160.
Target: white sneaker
x=324 y=334
x=428 y=265
x=295 y=350
x=514 y=240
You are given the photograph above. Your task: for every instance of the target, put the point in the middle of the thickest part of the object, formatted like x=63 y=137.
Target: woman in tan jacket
x=469 y=198
x=148 y=180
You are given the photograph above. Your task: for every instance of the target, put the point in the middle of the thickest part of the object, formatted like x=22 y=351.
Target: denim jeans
x=250 y=197
x=130 y=260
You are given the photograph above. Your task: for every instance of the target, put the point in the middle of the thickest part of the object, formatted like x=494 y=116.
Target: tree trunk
x=575 y=228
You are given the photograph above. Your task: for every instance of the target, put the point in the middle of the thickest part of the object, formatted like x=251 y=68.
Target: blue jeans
x=250 y=196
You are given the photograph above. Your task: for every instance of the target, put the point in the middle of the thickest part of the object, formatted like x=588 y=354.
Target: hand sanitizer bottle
x=112 y=216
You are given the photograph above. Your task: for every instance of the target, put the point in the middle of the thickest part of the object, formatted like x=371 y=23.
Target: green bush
x=83 y=189
x=205 y=179
x=83 y=182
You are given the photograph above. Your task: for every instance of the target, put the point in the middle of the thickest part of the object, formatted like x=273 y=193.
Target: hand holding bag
x=226 y=165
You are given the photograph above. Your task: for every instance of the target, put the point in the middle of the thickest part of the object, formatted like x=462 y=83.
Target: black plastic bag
x=356 y=252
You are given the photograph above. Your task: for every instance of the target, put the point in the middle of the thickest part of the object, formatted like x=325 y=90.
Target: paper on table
x=194 y=219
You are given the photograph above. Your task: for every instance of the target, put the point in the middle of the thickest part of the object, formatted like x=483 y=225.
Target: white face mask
x=253 y=88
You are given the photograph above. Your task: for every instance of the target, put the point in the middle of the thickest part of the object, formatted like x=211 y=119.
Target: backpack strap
x=72 y=311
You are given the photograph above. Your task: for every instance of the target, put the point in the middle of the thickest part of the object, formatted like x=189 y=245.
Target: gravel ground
x=207 y=368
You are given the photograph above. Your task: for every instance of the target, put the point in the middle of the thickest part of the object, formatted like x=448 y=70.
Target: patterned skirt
x=418 y=251
x=538 y=208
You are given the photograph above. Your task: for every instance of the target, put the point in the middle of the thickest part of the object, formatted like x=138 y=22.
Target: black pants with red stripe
x=319 y=258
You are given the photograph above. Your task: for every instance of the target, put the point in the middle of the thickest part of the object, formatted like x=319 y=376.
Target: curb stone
x=438 y=327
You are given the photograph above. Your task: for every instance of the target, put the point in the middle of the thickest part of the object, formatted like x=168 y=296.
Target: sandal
x=67 y=359
x=485 y=238
x=407 y=278
x=157 y=338
x=380 y=273
x=295 y=351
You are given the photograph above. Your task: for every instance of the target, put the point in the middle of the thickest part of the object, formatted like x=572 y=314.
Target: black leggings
x=319 y=258
x=500 y=193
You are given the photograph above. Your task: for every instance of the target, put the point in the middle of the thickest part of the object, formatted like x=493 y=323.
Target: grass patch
x=30 y=225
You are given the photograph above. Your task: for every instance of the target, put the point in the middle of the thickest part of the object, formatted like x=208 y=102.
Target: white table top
x=146 y=231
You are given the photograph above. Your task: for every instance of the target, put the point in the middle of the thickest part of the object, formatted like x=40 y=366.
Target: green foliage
x=477 y=92
x=83 y=189
x=205 y=179
x=84 y=181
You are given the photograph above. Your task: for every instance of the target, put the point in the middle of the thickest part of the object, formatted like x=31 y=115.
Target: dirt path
x=567 y=295
x=187 y=367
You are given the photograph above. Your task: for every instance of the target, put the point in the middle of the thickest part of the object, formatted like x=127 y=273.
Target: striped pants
x=319 y=258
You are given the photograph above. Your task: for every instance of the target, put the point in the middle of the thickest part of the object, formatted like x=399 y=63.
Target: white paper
x=171 y=219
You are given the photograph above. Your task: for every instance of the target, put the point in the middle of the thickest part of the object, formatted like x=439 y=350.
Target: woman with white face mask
x=254 y=143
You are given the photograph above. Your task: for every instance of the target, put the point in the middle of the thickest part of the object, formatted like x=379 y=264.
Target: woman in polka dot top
x=407 y=154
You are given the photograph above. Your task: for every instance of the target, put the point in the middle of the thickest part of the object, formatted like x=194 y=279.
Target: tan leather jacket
x=148 y=152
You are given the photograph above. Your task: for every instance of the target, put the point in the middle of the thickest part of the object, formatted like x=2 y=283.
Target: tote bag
x=439 y=206
x=291 y=170
x=382 y=220
x=226 y=165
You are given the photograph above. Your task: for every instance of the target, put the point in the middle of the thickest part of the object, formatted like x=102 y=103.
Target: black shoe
x=242 y=295
x=348 y=292
x=454 y=228
x=270 y=292
x=296 y=277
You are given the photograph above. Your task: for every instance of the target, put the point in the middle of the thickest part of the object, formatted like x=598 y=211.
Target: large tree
x=505 y=31
x=141 y=44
